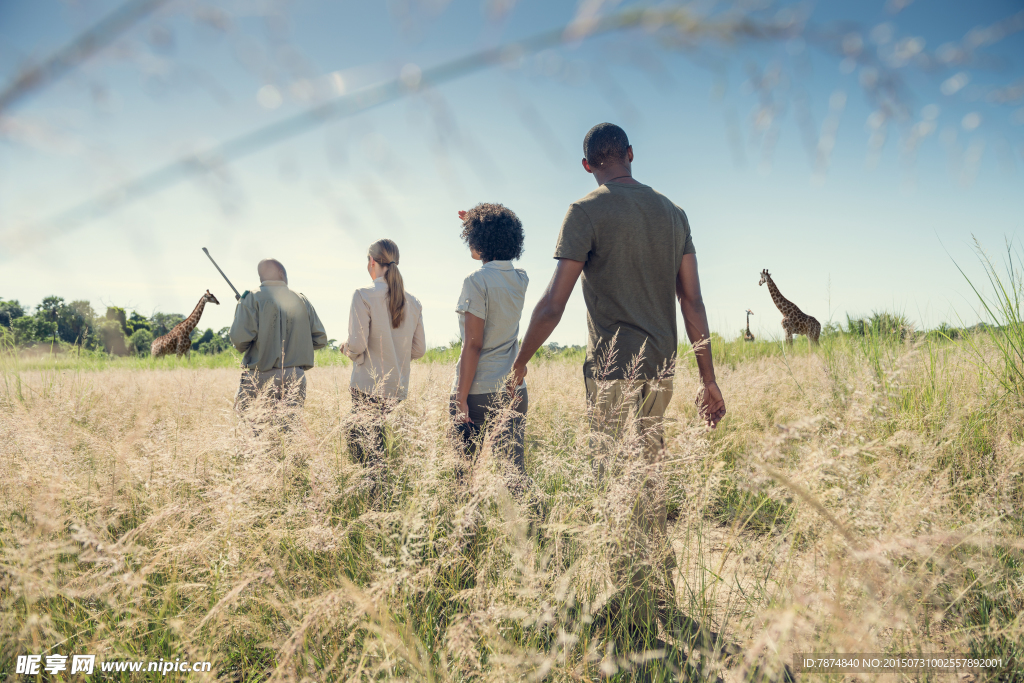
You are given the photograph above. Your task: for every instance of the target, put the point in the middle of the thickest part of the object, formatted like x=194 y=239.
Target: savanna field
x=863 y=496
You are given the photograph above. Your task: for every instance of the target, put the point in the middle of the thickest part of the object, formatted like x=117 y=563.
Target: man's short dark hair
x=494 y=231
x=605 y=143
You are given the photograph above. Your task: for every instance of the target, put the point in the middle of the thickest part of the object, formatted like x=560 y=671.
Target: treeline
x=892 y=326
x=75 y=324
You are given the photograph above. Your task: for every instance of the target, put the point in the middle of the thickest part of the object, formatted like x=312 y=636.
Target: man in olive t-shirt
x=633 y=249
x=631 y=240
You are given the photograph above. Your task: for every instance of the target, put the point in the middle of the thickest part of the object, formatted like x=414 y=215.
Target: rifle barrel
x=237 y=295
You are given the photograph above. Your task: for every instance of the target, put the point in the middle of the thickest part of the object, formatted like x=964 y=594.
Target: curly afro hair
x=494 y=231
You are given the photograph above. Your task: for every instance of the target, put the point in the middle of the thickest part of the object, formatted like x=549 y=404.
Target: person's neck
x=618 y=173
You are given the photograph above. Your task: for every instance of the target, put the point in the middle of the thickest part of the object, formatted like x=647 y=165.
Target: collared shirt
x=381 y=354
x=495 y=293
x=276 y=319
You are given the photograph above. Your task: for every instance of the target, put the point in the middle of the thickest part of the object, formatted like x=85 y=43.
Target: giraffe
x=794 y=321
x=747 y=336
x=179 y=339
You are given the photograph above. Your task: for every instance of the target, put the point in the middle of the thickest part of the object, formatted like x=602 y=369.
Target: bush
x=28 y=329
x=881 y=324
x=9 y=310
x=141 y=342
x=162 y=323
x=137 y=322
x=112 y=336
x=74 y=321
x=210 y=342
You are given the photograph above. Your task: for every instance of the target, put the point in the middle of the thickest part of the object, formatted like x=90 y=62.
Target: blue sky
x=869 y=230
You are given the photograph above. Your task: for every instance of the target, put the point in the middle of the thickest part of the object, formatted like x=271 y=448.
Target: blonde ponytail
x=385 y=253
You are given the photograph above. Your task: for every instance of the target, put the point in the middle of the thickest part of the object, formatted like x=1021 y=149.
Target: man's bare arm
x=546 y=315
x=695 y=318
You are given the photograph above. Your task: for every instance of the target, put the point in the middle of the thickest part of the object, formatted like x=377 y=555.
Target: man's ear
x=629 y=153
x=586 y=167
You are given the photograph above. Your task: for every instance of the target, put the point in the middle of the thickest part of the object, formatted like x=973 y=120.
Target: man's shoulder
x=604 y=196
x=669 y=204
x=596 y=196
x=257 y=298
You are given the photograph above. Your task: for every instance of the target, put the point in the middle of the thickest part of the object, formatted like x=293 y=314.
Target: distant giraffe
x=747 y=336
x=179 y=339
x=794 y=321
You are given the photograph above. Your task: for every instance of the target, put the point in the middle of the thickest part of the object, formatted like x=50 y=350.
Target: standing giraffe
x=747 y=336
x=179 y=339
x=794 y=321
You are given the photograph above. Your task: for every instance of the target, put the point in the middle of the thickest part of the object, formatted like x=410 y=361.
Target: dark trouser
x=271 y=397
x=366 y=442
x=286 y=386
x=507 y=426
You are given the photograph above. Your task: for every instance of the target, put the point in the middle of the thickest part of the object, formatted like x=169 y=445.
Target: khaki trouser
x=287 y=387
x=632 y=413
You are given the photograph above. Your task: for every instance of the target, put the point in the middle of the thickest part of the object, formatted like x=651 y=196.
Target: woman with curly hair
x=489 y=309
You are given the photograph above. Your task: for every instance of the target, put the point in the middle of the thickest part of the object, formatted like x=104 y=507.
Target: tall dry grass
x=866 y=496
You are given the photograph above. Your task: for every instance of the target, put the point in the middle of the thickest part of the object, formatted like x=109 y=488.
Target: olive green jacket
x=276 y=319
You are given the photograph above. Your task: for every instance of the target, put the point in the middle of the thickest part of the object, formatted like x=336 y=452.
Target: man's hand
x=710 y=404
x=462 y=215
x=516 y=377
x=546 y=315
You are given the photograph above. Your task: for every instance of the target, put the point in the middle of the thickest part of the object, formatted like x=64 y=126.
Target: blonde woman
x=385 y=333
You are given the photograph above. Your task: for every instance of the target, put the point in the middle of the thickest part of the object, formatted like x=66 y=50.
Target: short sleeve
x=688 y=247
x=576 y=238
x=473 y=299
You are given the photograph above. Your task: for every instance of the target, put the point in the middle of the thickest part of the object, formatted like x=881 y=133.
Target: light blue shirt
x=495 y=293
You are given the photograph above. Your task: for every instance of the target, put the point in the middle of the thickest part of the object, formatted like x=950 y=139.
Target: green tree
x=50 y=308
x=162 y=323
x=212 y=342
x=49 y=311
x=140 y=342
x=117 y=313
x=138 y=322
x=203 y=338
x=9 y=310
x=75 y=321
x=24 y=329
x=224 y=336
x=28 y=329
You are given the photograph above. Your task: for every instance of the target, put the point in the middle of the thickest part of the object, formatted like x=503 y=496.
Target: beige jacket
x=274 y=319
x=381 y=355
